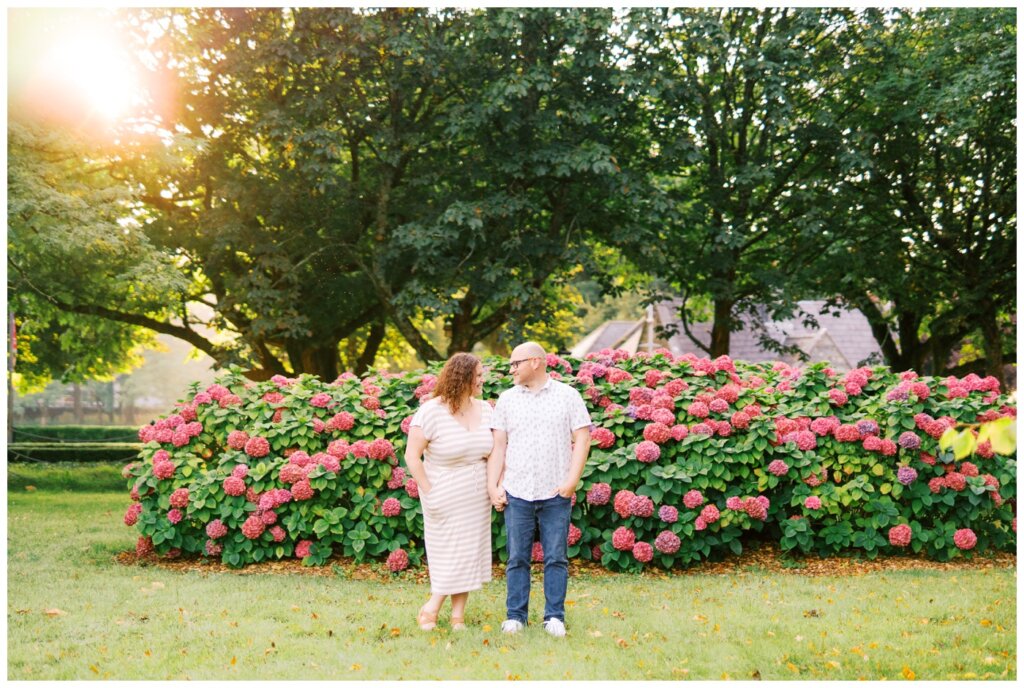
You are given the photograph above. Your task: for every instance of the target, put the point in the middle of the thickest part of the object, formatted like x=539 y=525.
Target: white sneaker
x=555 y=627
x=511 y=626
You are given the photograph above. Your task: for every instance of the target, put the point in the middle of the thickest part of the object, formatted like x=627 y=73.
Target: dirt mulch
x=759 y=558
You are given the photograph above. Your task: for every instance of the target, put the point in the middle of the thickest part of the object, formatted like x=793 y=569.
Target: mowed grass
x=145 y=622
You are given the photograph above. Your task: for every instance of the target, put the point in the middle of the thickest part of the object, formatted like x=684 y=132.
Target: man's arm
x=580 y=452
x=496 y=469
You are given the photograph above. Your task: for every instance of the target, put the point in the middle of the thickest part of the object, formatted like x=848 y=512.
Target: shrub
x=326 y=475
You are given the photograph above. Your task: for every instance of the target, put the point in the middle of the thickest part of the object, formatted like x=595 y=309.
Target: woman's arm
x=413 y=451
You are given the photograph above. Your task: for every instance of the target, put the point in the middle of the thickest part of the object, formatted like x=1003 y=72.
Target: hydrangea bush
x=690 y=459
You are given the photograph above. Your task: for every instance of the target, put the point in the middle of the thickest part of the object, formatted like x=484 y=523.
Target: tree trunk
x=321 y=361
x=76 y=394
x=373 y=342
x=720 y=328
x=993 y=345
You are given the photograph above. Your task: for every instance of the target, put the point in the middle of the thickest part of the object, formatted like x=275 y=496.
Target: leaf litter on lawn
x=760 y=557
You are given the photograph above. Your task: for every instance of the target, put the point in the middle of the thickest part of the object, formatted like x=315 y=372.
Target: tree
x=73 y=258
x=927 y=205
x=746 y=119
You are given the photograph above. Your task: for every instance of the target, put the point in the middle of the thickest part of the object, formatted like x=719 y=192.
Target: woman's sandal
x=458 y=623
x=425 y=620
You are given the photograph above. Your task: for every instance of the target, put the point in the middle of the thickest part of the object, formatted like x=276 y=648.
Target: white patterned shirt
x=539 y=426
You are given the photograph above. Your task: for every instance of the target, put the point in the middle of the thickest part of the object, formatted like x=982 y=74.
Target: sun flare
x=95 y=72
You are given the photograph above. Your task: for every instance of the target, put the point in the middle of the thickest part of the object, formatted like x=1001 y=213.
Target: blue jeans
x=522 y=519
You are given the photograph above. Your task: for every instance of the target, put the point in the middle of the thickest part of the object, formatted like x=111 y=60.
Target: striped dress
x=457 y=511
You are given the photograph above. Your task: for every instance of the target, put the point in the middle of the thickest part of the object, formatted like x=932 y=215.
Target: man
x=541 y=442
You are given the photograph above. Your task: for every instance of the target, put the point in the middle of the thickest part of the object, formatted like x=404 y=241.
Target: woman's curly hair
x=456 y=380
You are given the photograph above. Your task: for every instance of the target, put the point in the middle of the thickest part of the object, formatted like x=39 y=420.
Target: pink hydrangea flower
x=302 y=548
x=698 y=410
x=131 y=517
x=341 y=422
x=700 y=524
x=412 y=489
x=668 y=514
x=360 y=449
x=740 y=420
x=599 y=494
x=702 y=429
x=143 y=547
x=710 y=513
x=641 y=506
x=339 y=449
x=269 y=518
x=179 y=498
x=603 y=437
x=872 y=443
x=234 y=486
x=667 y=542
x=847 y=433
x=813 y=503
x=380 y=449
x=679 y=432
x=899 y=536
x=657 y=433
x=202 y=398
x=623 y=539
x=397 y=478
x=755 y=509
x=643 y=552
x=164 y=469
x=574 y=536
x=778 y=467
x=647 y=451
x=371 y=403
x=693 y=499
x=734 y=504
x=216 y=529
x=212 y=549
x=391 y=507
x=956 y=481
x=969 y=469
x=175 y=515
x=965 y=539
x=278 y=533
x=257 y=447
x=253 y=527
x=537 y=552
x=837 y=396
x=398 y=560
x=320 y=400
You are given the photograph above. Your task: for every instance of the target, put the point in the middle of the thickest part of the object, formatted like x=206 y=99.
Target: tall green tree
x=924 y=235
x=746 y=117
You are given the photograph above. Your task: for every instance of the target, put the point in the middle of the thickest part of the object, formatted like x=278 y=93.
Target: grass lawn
x=73 y=612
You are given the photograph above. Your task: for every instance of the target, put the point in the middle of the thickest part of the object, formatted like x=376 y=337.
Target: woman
x=453 y=432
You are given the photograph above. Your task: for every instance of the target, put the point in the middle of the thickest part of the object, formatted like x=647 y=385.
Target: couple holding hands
x=524 y=458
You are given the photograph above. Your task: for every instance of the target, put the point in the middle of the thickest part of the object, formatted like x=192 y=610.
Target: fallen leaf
x=55 y=612
x=30 y=488
x=487 y=628
x=986 y=622
x=314 y=615
x=792 y=667
x=596 y=634
x=234 y=661
x=621 y=643
x=95 y=669
x=395 y=632
x=908 y=673
x=355 y=667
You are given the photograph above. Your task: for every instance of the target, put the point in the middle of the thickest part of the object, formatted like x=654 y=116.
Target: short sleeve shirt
x=539 y=426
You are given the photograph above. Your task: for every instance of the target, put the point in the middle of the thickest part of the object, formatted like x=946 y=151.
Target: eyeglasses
x=515 y=364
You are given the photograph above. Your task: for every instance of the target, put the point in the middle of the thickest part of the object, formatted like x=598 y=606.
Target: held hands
x=498 y=497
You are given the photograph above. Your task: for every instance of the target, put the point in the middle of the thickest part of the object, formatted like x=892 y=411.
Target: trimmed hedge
x=72 y=451
x=818 y=461
x=103 y=434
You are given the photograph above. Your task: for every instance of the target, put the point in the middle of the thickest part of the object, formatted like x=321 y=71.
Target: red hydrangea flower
x=302 y=490
x=621 y=504
x=740 y=420
x=338 y=448
x=734 y=504
x=965 y=539
x=318 y=426
x=888 y=448
x=920 y=390
x=604 y=437
x=537 y=552
x=837 y=396
x=257 y=447
x=936 y=485
x=657 y=433
x=718 y=406
x=679 y=432
x=269 y=518
x=653 y=377
x=755 y=509
x=643 y=552
x=778 y=467
x=412 y=489
x=391 y=507
x=175 y=515
x=371 y=403
x=342 y=422
x=693 y=499
x=253 y=527
x=278 y=533
x=676 y=387
x=380 y=449
x=663 y=400
x=873 y=443
x=320 y=400
x=927 y=458
x=984 y=450
x=143 y=547
x=398 y=560
x=847 y=433
x=575 y=535
x=956 y=482
x=647 y=451
x=291 y=473
x=702 y=429
x=969 y=469
x=300 y=458
x=229 y=400
x=212 y=549
x=273 y=397
x=216 y=529
x=360 y=449
x=899 y=536
x=623 y=539
x=663 y=416
x=302 y=548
